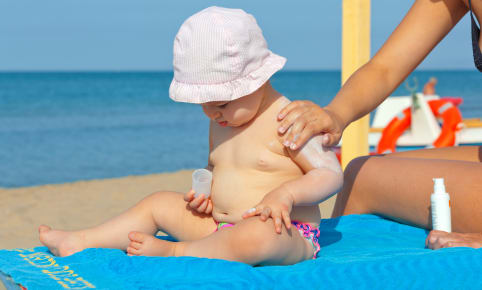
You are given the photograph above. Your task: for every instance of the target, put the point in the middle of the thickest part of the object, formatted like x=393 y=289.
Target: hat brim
x=228 y=91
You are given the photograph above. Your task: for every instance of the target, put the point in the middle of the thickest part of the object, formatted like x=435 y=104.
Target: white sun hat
x=220 y=54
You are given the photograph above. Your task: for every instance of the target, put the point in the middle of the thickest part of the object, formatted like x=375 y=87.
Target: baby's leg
x=166 y=211
x=400 y=188
x=250 y=241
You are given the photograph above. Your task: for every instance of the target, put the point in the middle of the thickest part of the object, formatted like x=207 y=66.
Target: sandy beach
x=82 y=204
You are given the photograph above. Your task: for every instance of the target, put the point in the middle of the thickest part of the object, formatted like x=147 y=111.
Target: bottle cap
x=201 y=182
x=438 y=185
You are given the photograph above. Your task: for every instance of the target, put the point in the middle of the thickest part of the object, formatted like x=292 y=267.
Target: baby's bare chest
x=255 y=147
x=247 y=155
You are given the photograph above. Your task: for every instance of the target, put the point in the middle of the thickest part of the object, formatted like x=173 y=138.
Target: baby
x=263 y=207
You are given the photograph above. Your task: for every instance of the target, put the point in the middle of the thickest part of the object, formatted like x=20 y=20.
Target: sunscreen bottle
x=440 y=203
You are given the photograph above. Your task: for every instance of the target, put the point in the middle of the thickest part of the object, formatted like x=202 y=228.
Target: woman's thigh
x=400 y=188
x=461 y=153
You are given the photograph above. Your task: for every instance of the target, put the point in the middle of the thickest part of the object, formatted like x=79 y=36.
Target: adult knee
x=347 y=201
x=353 y=169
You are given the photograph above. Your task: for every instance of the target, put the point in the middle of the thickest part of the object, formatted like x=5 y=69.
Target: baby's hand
x=278 y=205
x=200 y=203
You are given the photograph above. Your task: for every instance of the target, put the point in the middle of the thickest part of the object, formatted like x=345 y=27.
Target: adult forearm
x=363 y=92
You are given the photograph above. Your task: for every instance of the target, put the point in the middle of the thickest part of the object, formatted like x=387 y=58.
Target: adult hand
x=278 y=205
x=201 y=204
x=300 y=120
x=439 y=239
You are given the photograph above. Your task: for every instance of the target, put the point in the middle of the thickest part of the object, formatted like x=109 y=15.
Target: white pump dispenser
x=440 y=202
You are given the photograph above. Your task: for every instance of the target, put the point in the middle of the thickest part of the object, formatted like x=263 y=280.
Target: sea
x=58 y=127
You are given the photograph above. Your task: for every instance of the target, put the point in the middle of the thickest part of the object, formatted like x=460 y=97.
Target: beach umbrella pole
x=355 y=53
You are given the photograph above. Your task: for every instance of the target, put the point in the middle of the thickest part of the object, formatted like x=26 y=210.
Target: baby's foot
x=146 y=245
x=60 y=243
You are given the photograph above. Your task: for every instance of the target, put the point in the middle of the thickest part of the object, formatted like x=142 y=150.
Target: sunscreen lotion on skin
x=440 y=203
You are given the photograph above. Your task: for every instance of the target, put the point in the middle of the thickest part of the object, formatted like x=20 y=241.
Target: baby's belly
x=236 y=191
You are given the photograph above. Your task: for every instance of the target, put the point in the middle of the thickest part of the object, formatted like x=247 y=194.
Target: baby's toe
x=137 y=237
x=135 y=245
x=133 y=252
x=43 y=228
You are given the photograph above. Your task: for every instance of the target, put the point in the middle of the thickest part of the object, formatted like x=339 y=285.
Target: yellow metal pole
x=355 y=53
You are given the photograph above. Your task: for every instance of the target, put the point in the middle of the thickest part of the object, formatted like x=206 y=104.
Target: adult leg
x=250 y=241
x=400 y=188
x=166 y=211
x=439 y=239
x=461 y=153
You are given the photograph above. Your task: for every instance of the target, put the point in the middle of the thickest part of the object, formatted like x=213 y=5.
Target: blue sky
x=84 y=35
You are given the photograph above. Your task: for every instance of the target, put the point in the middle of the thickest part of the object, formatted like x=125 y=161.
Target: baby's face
x=234 y=113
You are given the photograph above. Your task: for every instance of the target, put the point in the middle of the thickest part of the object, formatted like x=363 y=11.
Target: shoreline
x=80 y=204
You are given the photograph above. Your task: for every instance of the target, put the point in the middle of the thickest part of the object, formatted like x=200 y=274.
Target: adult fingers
x=312 y=122
x=333 y=127
x=454 y=244
x=434 y=244
x=291 y=119
x=306 y=115
x=303 y=136
x=291 y=106
x=286 y=109
x=439 y=239
x=433 y=235
x=294 y=133
x=431 y=238
x=329 y=140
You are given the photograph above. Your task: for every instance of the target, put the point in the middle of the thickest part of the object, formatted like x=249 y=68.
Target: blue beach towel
x=358 y=252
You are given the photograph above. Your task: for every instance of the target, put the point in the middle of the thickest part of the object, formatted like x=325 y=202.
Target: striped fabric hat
x=220 y=54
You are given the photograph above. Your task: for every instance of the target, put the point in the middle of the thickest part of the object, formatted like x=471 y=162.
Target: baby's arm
x=322 y=179
x=323 y=176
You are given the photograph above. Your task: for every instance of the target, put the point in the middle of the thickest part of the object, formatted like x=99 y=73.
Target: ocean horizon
x=58 y=127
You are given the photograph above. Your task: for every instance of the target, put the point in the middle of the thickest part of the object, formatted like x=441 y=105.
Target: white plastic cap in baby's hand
x=201 y=182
